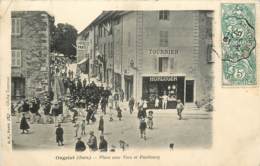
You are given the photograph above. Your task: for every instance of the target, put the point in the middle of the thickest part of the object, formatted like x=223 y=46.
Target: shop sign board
x=163 y=51
x=163 y=78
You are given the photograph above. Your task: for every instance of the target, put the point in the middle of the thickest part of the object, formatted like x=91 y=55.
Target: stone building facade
x=30 y=44
x=157 y=52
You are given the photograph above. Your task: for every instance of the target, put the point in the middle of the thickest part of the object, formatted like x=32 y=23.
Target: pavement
x=194 y=131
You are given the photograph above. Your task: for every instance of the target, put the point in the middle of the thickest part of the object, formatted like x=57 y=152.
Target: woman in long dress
x=24 y=126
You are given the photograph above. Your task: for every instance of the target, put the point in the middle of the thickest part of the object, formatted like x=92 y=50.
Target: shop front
x=158 y=86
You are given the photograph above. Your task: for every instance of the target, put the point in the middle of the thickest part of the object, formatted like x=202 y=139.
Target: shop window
x=163 y=64
x=16 y=26
x=164 y=15
x=16 y=58
x=163 y=38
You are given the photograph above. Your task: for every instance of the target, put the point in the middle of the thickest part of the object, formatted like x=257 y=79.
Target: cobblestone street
x=195 y=130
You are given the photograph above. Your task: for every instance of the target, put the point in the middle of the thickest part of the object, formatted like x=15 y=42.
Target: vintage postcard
x=123 y=83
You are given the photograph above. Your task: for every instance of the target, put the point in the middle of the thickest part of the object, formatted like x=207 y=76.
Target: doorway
x=189 y=91
x=128 y=87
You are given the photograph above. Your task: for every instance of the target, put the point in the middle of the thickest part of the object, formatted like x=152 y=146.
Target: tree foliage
x=64 y=39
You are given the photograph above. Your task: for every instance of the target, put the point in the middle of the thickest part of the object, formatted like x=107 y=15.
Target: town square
x=128 y=80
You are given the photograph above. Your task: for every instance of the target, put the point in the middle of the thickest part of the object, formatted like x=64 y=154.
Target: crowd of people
x=79 y=105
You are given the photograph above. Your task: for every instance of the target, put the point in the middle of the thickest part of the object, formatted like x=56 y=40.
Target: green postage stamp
x=238 y=44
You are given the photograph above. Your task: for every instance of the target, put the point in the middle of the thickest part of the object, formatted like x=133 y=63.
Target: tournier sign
x=163 y=51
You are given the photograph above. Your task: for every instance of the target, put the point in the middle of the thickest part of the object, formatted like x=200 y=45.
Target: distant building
x=30 y=53
x=149 y=53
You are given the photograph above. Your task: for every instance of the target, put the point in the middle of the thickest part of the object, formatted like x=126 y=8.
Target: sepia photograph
x=122 y=79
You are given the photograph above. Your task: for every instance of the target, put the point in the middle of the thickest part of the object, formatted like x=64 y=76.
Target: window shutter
x=13 y=58
x=13 y=25
x=19 y=56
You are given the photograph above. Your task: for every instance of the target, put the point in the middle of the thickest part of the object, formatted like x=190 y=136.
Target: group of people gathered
x=80 y=106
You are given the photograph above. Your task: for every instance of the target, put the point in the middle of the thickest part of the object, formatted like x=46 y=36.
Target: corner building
x=30 y=44
x=157 y=52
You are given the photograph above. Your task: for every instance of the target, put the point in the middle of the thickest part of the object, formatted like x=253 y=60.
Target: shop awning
x=83 y=65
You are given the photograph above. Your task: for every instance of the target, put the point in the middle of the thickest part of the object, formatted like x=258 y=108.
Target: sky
x=80 y=18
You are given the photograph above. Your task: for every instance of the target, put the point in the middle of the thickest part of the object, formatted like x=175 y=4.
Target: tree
x=64 y=39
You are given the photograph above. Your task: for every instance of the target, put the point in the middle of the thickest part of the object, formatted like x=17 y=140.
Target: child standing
x=83 y=127
x=101 y=125
x=142 y=128
x=76 y=126
x=180 y=108
x=150 y=119
x=119 y=113
x=59 y=135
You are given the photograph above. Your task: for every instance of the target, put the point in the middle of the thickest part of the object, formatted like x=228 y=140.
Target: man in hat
x=92 y=141
x=59 y=135
x=131 y=104
x=180 y=108
x=80 y=146
x=103 y=104
x=89 y=113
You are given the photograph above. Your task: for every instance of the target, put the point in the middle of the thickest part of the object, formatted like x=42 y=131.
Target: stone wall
x=34 y=43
